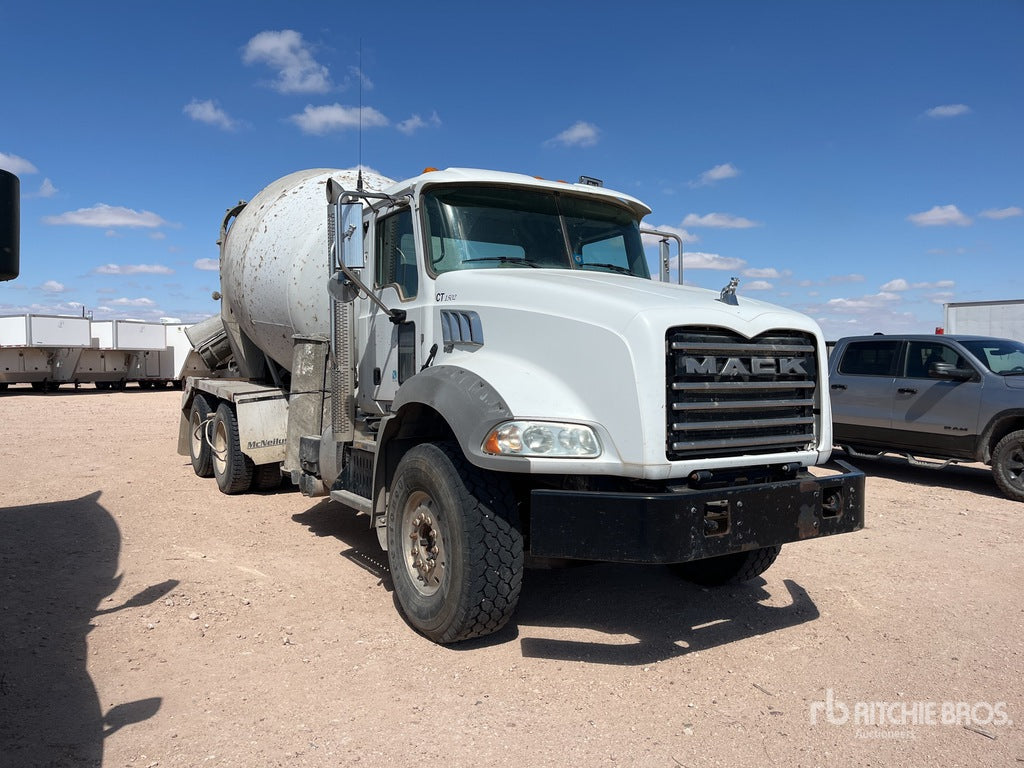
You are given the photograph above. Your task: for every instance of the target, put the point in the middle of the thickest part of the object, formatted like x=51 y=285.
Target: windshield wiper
x=613 y=267
x=504 y=260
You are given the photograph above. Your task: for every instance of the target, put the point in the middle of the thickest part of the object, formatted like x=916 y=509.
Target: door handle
x=907 y=391
x=838 y=386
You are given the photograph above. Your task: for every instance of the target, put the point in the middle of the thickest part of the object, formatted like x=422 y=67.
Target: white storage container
x=44 y=331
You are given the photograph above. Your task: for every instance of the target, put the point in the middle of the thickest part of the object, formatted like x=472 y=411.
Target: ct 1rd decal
x=442 y=296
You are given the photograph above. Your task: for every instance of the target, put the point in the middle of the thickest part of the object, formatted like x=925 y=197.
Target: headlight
x=542 y=438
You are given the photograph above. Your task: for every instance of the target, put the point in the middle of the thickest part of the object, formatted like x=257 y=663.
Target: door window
x=396 y=254
x=870 y=358
x=921 y=355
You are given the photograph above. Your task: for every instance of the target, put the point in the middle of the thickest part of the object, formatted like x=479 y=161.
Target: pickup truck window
x=999 y=355
x=483 y=227
x=870 y=358
x=921 y=355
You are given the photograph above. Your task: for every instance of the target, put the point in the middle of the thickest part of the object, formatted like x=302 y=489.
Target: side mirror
x=949 y=371
x=10 y=225
x=350 y=234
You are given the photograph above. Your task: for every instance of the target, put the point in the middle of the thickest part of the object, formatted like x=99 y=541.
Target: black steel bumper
x=694 y=524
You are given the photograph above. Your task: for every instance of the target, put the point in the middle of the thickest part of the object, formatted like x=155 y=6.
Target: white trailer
x=1002 y=319
x=168 y=365
x=41 y=350
x=105 y=364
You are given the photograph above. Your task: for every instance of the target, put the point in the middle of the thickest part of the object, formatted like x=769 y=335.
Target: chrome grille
x=729 y=395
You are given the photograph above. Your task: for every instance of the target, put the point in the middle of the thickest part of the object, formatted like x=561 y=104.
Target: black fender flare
x=467 y=404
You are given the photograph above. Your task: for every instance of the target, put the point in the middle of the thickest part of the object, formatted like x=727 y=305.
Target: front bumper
x=694 y=524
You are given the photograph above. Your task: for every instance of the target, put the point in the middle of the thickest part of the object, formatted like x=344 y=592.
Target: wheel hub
x=424 y=550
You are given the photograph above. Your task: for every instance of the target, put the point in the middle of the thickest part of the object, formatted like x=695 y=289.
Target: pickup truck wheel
x=1008 y=465
x=456 y=559
x=198 y=446
x=232 y=468
x=729 y=569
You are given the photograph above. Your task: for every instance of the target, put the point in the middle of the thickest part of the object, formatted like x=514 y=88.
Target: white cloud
x=1003 y=213
x=758 y=285
x=682 y=234
x=863 y=304
x=940 y=216
x=286 y=52
x=356 y=73
x=853 y=277
x=718 y=173
x=698 y=260
x=133 y=269
x=899 y=284
x=948 y=110
x=210 y=113
x=103 y=215
x=208 y=265
x=414 y=123
x=335 y=117
x=46 y=189
x=140 y=302
x=579 y=134
x=766 y=272
x=19 y=166
x=52 y=286
x=718 y=221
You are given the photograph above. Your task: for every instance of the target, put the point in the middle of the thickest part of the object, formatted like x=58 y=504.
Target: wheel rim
x=197 y=434
x=220 y=447
x=424 y=553
x=1014 y=465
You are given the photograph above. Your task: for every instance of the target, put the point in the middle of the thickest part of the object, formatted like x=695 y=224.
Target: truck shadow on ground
x=974 y=478
x=637 y=615
x=647 y=613
x=58 y=561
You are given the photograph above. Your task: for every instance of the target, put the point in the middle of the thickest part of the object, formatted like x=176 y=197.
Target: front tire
x=729 y=569
x=232 y=468
x=456 y=559
x=1008 y=465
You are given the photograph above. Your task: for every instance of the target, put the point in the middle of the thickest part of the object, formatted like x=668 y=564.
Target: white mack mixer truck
x=481 y=363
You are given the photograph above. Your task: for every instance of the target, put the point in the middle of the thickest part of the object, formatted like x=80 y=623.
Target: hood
x=611 y=300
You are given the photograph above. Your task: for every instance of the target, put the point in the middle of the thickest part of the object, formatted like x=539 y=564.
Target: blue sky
x=862 y=162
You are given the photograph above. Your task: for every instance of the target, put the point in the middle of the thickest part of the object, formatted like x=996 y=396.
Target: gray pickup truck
x=950 y=398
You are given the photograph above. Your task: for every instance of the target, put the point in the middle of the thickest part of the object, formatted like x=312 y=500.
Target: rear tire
x=232 y=468
x=1008 y=465
x=267 y=477
x=456 y=559
x=729 y=569
x=198 y=446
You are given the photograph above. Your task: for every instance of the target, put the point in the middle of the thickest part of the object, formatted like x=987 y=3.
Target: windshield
x=999 y=355
x=483 y=227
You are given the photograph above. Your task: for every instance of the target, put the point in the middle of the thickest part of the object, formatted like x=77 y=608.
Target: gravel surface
x=147 y=620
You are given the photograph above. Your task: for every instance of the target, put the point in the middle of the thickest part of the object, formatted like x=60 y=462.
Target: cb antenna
x=359 y=167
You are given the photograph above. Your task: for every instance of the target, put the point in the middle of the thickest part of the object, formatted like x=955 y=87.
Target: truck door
x=935 y=415
x=393 y=350
x=861 y=388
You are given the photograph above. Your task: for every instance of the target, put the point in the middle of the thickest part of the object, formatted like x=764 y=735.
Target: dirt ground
x=147 y=620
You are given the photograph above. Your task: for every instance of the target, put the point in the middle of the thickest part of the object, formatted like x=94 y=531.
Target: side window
x=396 y=254
x=870 y=358
x=921 y=354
